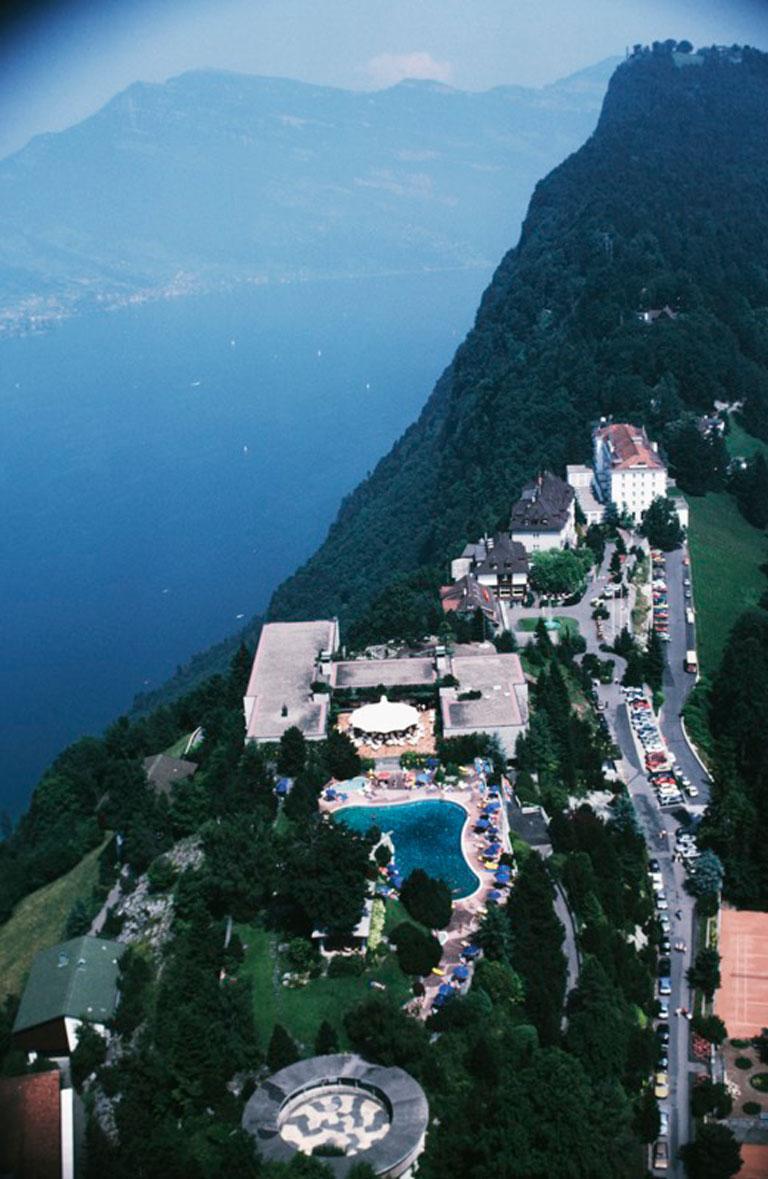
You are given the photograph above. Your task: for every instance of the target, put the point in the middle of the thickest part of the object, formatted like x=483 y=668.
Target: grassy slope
x=39 y=921
x=302 y=1011
x=742 y=444
x=726 y=552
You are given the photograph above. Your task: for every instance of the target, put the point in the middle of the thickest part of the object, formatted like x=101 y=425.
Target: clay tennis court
x=742 y=1001
x=755 y=1162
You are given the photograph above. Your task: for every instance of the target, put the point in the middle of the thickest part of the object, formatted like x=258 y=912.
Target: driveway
x=678 y=683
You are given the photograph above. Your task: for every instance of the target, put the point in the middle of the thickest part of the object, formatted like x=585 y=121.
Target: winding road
x=677 y=685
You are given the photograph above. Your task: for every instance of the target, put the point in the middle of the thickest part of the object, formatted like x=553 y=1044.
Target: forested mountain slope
x=667 y=203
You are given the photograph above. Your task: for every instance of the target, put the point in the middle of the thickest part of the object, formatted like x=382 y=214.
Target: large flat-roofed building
x=389 y=673
x=501 y=708
x=628 y=470
x=290 y=657
x=544 y=517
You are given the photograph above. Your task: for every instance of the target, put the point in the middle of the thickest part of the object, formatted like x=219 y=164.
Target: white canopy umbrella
x=384 y=717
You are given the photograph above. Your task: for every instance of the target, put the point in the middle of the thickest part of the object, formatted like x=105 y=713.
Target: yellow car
x=661 y=1086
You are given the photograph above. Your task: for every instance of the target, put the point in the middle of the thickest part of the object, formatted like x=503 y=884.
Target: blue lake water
x=425 y=834
x=163 y=468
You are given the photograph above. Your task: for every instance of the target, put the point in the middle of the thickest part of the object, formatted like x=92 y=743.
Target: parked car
x=665 y=985
x=661 y=1086
x=660 y=1156
x=662 y=1031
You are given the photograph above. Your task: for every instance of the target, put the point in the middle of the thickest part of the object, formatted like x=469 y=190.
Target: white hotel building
x=628 y=470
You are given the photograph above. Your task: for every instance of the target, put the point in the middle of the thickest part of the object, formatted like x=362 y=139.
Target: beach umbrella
x=481 y=824
x=493 y=807
x=494 y=895
x=397 y=880
x=470 y=952
x=461 y=972
x=492 y=850
x=445 y=989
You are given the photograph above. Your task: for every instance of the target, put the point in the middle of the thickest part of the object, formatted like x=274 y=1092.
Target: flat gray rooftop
x=504 y=693
x=404 y=1098
x=281 y=678
x=369 y=673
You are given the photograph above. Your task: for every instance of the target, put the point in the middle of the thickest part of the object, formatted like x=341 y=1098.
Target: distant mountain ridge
x=213 y=179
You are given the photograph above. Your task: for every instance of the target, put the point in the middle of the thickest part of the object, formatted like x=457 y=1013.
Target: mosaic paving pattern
x=351 y=1121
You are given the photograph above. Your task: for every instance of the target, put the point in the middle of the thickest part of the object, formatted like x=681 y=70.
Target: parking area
x=742 y=1001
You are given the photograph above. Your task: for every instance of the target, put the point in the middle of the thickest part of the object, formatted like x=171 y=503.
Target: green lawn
x=726 y=553
x=302 y=1011
x=528 y=625
x=178 y=747
x=38 y=921
x=742 y=444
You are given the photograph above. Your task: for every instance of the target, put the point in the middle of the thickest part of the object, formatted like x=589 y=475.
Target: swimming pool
x=425 y=834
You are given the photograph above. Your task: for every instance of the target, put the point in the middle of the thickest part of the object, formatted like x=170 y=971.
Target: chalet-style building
x=544 y=517
x=466 y=596
x=164 y=772
x=69 y=983
x=498 y=564
x=628 y=470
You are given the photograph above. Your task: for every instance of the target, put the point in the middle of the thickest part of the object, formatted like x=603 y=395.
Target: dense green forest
x=667 y=203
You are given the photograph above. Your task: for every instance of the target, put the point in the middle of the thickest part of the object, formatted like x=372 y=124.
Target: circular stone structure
x=385 y=717
x=375 y=1115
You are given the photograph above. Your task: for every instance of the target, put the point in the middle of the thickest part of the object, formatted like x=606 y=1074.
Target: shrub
x=161 y=875
x=753 y=1108
x=346 y=966
x=759 y=1082
x=301 y=955
x=740 y=1043
x=417 y=952
x=743 y=1062
x=427 y=899
x=91 y=1051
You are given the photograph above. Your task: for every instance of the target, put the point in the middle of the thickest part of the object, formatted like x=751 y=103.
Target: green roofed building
x=69 y=983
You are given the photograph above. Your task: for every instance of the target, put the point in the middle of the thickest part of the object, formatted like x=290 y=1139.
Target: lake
x=162 y=468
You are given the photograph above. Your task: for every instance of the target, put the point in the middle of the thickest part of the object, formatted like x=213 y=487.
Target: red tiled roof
x=630 y=446
x=30 y=1126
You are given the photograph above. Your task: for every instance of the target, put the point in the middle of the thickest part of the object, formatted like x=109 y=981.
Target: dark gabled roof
x=162 y=771
x=76 y=978
x=505 y=556
x=543 y=505
x=466 y=596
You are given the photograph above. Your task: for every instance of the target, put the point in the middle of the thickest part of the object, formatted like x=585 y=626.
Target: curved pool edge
x=463 y=835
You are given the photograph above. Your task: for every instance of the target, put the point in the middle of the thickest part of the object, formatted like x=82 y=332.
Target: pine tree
x=282 y=1049
x=326 y=1040
x=654 y=662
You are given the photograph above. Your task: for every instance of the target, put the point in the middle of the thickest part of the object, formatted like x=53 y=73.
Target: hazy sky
x=62 y=59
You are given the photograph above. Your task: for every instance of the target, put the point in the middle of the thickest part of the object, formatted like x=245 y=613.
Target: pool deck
x=467 y=911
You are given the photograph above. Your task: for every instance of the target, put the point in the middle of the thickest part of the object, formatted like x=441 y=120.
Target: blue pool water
x=425 y=834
